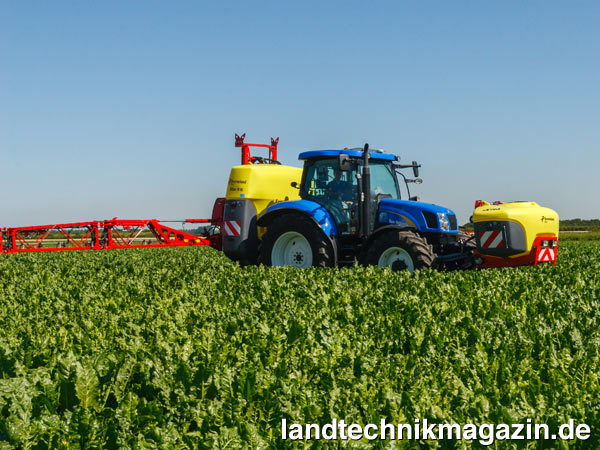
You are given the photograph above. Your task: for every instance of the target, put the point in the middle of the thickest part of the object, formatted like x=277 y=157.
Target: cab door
x=336 y=190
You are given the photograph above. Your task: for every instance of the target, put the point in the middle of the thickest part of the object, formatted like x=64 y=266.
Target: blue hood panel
x=393 y=212
x=316 y=211
x=408 y=212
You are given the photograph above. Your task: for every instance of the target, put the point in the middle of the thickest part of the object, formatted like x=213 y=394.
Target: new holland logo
x=491 y=239
x=547 y=219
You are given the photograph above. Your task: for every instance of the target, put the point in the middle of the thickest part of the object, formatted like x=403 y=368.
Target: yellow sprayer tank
x=511 y=229
x=251 y=189
x=263 y=184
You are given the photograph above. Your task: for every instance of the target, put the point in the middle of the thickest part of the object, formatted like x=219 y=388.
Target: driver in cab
x=338 y=189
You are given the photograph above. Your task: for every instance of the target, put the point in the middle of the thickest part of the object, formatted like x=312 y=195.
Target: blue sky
x=128 y=109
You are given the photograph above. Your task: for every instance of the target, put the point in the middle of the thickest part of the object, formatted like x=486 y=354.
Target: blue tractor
x=351 y=211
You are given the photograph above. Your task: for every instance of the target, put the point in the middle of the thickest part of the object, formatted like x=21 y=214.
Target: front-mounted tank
x=515 y=233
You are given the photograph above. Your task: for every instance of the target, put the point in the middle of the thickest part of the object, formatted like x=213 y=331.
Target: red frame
x=109 y=234
x=97 y=235
x=247 y=157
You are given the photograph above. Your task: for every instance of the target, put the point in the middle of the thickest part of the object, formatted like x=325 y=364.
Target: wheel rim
x=291 y=249
x=395 y=258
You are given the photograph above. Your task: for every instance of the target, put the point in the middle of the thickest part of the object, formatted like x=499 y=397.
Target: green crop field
x=181 y=348
x=592 y=235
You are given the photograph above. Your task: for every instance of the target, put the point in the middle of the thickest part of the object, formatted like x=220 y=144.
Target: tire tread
x=416 y=245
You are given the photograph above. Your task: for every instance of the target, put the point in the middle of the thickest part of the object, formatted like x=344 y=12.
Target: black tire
x=321 y=246
x=420 y=252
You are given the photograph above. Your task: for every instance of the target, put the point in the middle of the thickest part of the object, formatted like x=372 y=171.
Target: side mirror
x=294 y=184
x=415 y=167
x=379 y=197
x=344 y=162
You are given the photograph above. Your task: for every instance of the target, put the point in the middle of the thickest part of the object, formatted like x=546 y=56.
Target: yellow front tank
x=536 y=220
x=263 y=184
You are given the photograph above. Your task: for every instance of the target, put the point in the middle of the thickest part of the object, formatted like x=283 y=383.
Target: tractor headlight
x=443 y=219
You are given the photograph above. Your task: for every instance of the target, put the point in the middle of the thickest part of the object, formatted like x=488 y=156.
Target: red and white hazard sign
x=546 y=254
x=232 y=227
x=491 y=239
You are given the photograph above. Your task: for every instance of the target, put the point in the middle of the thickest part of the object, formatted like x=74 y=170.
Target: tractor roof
x=353 y=153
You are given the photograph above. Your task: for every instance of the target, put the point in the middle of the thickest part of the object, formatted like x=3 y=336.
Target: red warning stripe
x=232 y=227
x=491 y=239
x=547 y=254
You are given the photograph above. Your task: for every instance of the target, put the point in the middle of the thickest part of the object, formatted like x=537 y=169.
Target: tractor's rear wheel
x=400 y=250
x=295 y=240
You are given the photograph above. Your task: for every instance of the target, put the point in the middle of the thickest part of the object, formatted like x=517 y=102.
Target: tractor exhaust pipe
x=366 y=194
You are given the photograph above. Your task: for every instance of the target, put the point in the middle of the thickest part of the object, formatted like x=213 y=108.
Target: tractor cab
x=332 y=178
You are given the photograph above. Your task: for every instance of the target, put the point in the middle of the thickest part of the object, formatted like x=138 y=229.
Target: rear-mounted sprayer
x=252 y=187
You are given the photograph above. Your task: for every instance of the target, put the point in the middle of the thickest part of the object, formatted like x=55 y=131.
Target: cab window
x=325 y=180
x=335 y=189
x=383 y=180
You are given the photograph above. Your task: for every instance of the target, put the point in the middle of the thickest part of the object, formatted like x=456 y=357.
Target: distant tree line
x=580 y=224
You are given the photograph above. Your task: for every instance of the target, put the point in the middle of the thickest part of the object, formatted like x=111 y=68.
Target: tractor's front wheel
x=400 y=250
x=295 y=240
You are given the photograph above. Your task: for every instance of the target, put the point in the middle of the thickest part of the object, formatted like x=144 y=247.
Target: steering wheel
x=261 y=160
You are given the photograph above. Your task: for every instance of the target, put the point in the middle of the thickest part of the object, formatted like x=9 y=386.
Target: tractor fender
x=317 y=213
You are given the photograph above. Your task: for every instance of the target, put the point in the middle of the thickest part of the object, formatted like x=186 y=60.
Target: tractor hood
x=425 y=217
